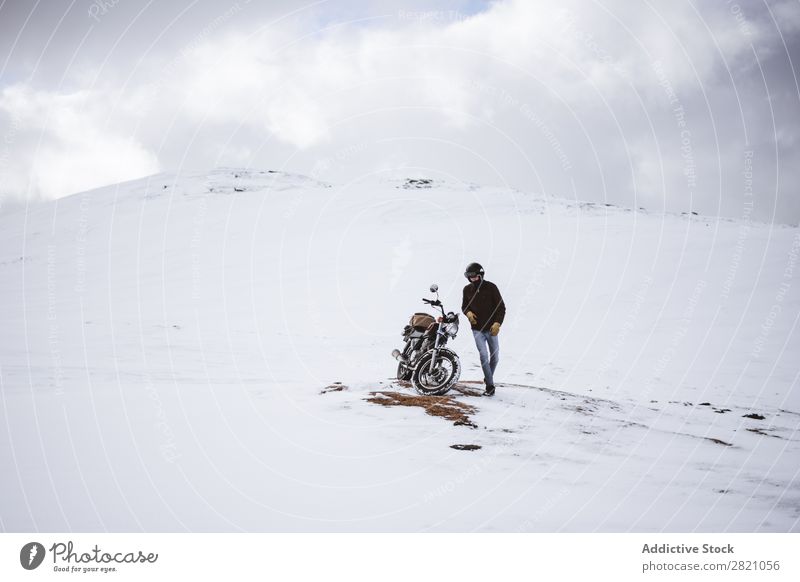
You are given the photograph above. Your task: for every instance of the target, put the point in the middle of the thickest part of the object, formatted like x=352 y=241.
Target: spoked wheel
x=439 y=380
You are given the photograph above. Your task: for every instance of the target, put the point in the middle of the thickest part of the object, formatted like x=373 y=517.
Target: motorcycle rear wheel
x=444 y=375
x=403 y=372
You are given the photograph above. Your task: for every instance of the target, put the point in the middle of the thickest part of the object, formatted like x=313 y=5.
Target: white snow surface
x=166 y=343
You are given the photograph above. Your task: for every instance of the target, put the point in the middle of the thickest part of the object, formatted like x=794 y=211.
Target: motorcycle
x=425 y=361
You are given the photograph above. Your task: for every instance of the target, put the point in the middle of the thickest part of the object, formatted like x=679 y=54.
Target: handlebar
x=434 y=303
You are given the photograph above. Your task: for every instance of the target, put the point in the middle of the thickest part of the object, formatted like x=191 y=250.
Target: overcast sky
x=663 y=105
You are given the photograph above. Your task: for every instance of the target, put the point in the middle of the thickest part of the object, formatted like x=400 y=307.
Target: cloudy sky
x=685 y=105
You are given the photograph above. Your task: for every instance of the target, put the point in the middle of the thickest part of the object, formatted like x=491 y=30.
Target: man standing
x=485 y=309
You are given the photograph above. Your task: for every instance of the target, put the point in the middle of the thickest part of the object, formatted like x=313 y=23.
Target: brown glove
x=495 y=329
x=473 y=319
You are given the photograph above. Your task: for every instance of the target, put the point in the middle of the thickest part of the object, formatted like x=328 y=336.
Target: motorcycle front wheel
x=439 y=380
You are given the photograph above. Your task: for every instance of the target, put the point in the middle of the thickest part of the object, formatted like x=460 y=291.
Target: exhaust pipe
x=398 y=356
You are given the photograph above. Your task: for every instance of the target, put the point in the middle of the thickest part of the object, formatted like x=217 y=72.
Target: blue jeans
x=489 y=350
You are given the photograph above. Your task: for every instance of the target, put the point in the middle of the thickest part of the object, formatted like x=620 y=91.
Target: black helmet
x=473 y=269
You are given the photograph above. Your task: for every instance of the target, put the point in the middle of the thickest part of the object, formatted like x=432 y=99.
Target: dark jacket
x=484 y=300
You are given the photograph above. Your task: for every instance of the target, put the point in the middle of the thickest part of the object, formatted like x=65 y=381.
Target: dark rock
x=754 y=416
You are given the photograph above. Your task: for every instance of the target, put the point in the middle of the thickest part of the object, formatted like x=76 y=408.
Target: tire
x=403 y=372
x=448 y=370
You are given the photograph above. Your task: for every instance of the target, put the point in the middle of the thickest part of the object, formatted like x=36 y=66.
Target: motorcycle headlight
x=451 y=329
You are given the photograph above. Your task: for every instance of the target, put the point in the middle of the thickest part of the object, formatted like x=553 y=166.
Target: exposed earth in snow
x=211 y=352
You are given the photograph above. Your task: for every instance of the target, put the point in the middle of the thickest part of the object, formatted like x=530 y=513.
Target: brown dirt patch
x=442 y=406
x=468 y=388
x=335 y=387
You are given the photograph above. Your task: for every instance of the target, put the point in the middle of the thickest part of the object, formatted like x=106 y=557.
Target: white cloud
x=567 y=86
x=63 y=143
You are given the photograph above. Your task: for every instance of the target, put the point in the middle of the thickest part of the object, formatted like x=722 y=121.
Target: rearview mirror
x=434 y=288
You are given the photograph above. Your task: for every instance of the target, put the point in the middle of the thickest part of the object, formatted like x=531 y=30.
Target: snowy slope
x=167 y=344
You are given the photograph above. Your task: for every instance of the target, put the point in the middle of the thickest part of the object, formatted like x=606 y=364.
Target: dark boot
x=489 y=390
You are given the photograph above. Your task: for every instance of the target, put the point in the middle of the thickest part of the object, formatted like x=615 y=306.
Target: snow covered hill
x=210 y=352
